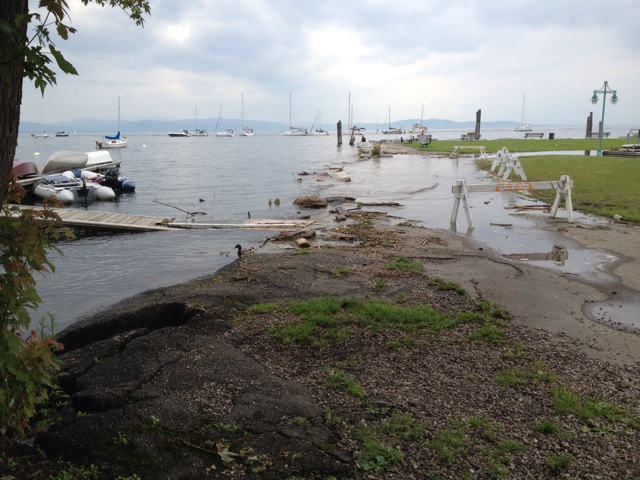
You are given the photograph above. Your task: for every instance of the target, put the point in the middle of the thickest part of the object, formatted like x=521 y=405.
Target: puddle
x=621 y=310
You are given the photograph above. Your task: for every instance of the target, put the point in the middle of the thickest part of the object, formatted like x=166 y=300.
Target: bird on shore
x=241 y=251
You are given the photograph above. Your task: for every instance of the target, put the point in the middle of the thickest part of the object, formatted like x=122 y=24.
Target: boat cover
x=114 y=137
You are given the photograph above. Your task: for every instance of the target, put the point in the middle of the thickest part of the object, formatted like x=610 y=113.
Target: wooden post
x=589 y=125
x=478 y=116
x=339 y=129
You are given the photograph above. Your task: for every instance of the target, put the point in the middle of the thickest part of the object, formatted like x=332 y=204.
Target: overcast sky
x=451 y=56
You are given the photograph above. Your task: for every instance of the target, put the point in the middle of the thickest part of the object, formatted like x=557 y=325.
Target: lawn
x=604 y=186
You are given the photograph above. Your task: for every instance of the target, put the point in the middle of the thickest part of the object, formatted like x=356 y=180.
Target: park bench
x=533 y=135
x=424 y=140
x=469 y=136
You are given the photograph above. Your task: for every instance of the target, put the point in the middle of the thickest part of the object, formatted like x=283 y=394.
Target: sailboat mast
x=524 y=97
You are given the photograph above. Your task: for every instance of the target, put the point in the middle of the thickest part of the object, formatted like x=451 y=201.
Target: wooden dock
x=79 y=218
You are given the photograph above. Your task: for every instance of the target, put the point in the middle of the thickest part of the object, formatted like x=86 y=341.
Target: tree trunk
x=11 y=58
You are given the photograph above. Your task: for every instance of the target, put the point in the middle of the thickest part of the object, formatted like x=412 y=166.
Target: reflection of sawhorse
x=558 y=254
x=456 y=149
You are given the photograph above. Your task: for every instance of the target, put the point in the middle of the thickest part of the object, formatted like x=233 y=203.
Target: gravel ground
x=498 y=396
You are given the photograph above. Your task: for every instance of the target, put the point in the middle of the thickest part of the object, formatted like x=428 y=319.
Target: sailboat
x=41 y=135
x=199 y=132
x=523 y=127
x=352 y=128
x=246 y=131
x=113 y=141
x=318 y=131
x=62 y=133
x=222 y=133
x=392 y=130
x=418 y=128
x=294 y=131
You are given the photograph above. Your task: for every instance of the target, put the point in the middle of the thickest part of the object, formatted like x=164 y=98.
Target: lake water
x=226 y=179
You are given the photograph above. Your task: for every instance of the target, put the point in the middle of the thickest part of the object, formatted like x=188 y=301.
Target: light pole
x=614 y=99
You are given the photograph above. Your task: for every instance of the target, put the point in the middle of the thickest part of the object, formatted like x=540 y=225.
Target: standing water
x=228 y=179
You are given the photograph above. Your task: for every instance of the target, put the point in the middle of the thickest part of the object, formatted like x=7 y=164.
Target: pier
x=124 y=222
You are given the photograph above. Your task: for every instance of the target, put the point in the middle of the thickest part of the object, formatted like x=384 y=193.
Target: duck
x=241 y=251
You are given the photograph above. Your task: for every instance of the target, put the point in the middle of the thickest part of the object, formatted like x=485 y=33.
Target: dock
x=124 y=222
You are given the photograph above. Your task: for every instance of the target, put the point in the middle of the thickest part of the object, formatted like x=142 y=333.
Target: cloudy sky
x=450 y=57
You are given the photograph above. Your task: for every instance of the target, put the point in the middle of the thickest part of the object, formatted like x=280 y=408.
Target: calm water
x=225 y=178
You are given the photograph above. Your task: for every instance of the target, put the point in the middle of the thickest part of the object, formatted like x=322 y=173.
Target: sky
x=388 y=60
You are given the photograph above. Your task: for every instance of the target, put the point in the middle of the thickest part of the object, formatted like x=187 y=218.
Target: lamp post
x=614 y=99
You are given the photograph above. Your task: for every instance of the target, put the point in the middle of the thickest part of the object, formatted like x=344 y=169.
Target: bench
x=469 y=136
x=597 y=134
x=533 y=135
x=424 y=140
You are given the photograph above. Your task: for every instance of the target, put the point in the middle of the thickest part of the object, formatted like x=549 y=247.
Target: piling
x=339 y=129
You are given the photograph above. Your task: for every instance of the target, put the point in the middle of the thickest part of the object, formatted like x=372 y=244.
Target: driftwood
x=380 y=204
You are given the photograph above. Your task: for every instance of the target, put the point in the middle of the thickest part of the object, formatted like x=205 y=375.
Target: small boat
x=199 y=132
x=225 y=133
x=246 y=131
x=318 y=131
x=180 y=133
x=22 y=169
x=418 y=128
x=62 y=134
x=293 y=131
x=111 y=179
x=66 y=188
x=222 y=133
x=523 y=127
x=392 y=130
x=68 y=160
x=113 y=141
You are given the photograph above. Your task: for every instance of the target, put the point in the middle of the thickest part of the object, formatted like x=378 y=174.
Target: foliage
x=26 y=360
x=38 y=50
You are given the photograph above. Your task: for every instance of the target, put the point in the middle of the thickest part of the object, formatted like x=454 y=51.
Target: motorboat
x=417 y=129
x=66 y=188
x=180 y=133
x=62 y=134
x=110 y=179
x=200 y=133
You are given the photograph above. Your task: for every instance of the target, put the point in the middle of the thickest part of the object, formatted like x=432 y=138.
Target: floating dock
x=79 y=218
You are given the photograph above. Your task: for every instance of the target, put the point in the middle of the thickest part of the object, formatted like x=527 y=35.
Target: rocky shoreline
x=188 y=382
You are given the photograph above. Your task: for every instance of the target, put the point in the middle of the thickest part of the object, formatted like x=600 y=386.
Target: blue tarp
x=114 y=137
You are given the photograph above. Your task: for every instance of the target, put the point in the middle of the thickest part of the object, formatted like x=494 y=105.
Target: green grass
x=324 y=320
x=603 y=186
x=522 y=145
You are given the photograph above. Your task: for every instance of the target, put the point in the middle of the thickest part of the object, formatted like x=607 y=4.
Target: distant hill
x=109 y=127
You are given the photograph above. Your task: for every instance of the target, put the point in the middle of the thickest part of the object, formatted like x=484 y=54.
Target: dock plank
x=76 y=217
